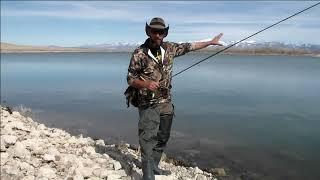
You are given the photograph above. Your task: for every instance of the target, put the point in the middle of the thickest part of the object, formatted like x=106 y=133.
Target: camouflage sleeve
x=134 y=68
x=180 y=49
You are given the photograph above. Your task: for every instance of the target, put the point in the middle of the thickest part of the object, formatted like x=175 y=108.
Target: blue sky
x=75 y=23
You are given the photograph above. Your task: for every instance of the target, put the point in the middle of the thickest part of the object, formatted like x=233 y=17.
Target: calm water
x=252 y=115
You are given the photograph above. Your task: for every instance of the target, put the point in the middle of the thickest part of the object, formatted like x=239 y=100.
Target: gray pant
x=154 y=132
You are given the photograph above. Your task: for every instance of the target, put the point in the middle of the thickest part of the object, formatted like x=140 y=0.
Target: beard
x=155 y=43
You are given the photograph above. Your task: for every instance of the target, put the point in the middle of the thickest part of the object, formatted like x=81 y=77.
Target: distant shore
x=207 y=52
x=13 y=48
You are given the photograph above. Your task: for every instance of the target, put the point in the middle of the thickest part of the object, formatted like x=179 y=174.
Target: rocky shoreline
x=30 y=150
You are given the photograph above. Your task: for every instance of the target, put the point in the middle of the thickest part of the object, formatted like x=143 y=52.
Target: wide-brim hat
x=157 y=23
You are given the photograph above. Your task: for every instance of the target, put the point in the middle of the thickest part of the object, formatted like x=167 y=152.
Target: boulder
x=116 y=165
x=100 y=142
x=196 y=170
x=8 y=140
x=20 y=151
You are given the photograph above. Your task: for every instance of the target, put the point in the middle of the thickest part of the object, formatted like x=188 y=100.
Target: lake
x=256 y=116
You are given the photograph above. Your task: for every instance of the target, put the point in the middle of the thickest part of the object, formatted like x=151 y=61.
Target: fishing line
x=246 y=38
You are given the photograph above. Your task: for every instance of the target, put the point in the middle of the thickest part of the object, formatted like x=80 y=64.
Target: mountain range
x=242 y=45
x=245 y=47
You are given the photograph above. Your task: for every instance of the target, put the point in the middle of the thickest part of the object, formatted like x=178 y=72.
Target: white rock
x=20 y=151
x=10 y=169
x=68 y=158
x=26 y=168
x=121 y=172
x=78 y=177
x=35 y=162
x=96 y=171
x=31 y=143
x=46 y=172
x=20 y=126
x=48 y=157
x=53 y=151
x=30 y=177
x=2 y=148
x=7 y=130
x=162 y=177
x=41 y=127
x=9 y=140
x=200 y=177
x=34 y=133
x=4 y=158
x=106 y=156
x=82 y=141
x=37 y=150
x=94 y=178
x=16 y=114
x=88 y=162
x=90 y=141
x=72 y=140
x=126 y=178
x=102 y=173
x=85 y=171
x=116 y=165
x=185 y=178
x=89 y=150
x=100 y=142
x=28 y=119
x=113 y=176
x=4 y=113
x=101 y=160
x=196 y=170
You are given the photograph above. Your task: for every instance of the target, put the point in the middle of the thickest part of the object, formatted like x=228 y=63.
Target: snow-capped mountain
x=128 y=46
x=112 y=45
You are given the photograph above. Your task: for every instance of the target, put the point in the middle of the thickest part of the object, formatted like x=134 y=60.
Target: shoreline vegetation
x=13 y=48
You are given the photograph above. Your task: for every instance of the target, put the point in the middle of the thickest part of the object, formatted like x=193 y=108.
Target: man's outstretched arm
x=200 y=45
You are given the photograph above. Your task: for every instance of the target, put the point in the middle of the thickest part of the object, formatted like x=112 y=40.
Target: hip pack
x=132 y=96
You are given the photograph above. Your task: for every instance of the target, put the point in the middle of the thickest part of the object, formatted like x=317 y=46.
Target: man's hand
x=215 y=40
x=200 y=45
x=142 y=83
x=151 y=85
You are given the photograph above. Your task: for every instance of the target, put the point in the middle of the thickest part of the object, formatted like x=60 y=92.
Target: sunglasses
x=158 y=31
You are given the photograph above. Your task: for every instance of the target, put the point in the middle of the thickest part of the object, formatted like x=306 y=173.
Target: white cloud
x=140 y=11
x=186 y=24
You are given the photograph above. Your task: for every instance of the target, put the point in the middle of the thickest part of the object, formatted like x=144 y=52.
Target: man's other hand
x=151 y=85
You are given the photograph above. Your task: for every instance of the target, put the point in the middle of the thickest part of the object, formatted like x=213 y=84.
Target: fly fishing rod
x=218 y=52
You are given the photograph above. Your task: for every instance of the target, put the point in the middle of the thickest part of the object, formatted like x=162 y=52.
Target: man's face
x=156 y=36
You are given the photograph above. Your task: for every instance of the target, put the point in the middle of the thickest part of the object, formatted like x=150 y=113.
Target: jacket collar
x=147 y=51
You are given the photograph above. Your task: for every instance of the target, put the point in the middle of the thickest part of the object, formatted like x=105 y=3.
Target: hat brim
x=149 y=27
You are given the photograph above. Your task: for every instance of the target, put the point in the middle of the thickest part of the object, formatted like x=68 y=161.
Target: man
x=149 y=79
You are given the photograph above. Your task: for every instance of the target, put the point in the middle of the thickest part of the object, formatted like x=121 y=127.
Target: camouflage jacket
x=143 y=65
